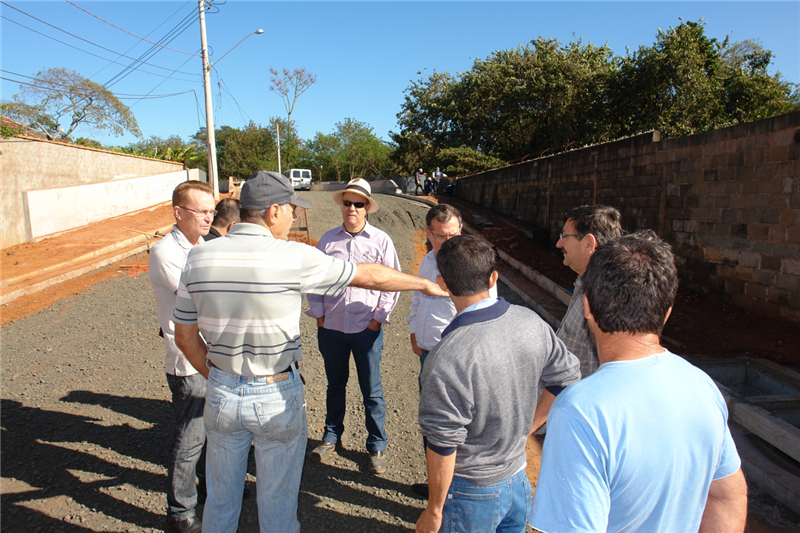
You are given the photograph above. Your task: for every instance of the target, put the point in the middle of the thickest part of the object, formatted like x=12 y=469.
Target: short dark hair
x=227 y=212
x=466 y=262
x=181 y=192
x=252 y=215
x=631 y=283
x=602 y=221
x=442 y=213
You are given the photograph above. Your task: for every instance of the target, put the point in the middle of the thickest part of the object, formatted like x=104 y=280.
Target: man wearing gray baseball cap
x=243 y=293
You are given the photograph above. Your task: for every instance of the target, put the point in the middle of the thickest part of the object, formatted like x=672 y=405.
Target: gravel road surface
x=87 y=421
x=86 y=415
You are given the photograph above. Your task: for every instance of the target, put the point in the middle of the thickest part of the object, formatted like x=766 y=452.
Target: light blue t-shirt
x=634 y=447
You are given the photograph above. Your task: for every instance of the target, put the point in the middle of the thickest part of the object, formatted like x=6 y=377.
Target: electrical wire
x=242 y=112
x=152 y=51
x=97 y=45
x=121 y=96
x=129 y=33
x=148 y=35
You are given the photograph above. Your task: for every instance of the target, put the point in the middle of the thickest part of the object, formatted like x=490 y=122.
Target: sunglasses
x=358 y=205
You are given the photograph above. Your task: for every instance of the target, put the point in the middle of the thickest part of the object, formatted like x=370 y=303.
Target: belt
x=270 y=378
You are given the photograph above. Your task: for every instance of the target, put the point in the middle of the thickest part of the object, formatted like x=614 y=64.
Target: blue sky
x=364 y=54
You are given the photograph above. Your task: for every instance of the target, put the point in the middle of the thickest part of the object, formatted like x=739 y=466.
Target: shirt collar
x=366 y=230
x=181 y=239
x=248 y=228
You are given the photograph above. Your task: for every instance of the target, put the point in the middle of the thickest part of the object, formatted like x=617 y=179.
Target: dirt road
x=86 y=419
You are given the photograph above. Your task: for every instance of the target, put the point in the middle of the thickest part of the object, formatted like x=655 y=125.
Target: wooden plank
x=769 y=427
x=783 y=401
x=763 y=470
x=780 y=372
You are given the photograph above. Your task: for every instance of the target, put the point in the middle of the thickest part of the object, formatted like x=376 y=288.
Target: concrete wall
x=34 y=165
x=728 y=201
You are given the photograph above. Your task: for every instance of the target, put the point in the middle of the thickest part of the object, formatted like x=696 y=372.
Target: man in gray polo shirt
x=243 y=293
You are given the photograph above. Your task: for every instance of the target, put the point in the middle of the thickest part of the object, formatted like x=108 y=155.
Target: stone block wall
x=728 y=201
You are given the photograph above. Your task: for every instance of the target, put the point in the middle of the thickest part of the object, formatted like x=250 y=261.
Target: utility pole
x=278 y=130
x=211 y=143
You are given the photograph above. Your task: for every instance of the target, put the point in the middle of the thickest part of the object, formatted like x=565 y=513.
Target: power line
x=93 y=44
x=129 y=33
x=153 y=50
x=121 y=96
x=148 y=35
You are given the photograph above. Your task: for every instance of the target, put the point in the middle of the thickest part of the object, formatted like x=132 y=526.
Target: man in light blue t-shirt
x=643 y=443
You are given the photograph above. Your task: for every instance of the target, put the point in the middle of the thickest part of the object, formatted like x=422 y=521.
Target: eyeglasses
x=443 y=237
x=211 y=213
x=357 y=205
x=562 y=235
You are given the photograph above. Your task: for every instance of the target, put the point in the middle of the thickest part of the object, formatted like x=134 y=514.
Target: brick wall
x=728 y=201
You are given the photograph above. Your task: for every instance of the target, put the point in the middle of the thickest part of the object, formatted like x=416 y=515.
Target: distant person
x=352 y=322
x=643 y=443
x=193 y=209
x=418 y=178
x=250 y=347
x=431 y=314
x=478 y=400
x=437 y=178
x=227 y=215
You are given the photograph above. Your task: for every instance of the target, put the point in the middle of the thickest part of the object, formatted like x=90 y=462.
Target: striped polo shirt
x=244 y=291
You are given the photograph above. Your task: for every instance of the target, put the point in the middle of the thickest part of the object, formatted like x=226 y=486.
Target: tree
x=290 y=85
x=60 y=100
x=750 y=93
x=351 y=151
x=172 y=148
x=463 y=161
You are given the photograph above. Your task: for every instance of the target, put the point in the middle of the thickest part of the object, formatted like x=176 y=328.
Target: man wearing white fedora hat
x=352 y=323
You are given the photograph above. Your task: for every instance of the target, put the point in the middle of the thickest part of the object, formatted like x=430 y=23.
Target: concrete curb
x=82 y=270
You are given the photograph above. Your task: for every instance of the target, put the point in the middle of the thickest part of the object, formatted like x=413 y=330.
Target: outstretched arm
x=726 y=506
x=382 y=278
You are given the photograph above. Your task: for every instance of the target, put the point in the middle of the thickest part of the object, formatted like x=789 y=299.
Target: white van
x=300 y=178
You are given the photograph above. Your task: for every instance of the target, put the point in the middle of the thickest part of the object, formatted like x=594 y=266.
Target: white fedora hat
x=361 y=188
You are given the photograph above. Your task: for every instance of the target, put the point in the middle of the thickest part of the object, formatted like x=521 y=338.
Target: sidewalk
x=33 y=266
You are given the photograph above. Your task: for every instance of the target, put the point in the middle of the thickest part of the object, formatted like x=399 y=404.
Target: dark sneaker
x=322 y=450
x=187 y=525
x=377 y=462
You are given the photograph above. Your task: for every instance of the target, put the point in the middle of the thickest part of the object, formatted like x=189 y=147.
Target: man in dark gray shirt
x=478 y=399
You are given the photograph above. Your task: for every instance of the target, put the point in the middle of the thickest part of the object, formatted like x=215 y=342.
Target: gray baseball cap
x=264 y=189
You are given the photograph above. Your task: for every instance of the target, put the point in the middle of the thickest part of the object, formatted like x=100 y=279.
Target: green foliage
x=60 y=100
x=463 y=161
x=351 y=151
x=83 y=141
x=172 y=148
x=7 y=130
x=544 y=98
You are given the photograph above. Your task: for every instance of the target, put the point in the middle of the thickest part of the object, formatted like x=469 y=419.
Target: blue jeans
x=242 y=410
x=501 y=507
x=366 y=347
x=188 y=439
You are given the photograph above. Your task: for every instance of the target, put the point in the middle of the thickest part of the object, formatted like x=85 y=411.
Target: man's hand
x=374 y=325
x=320 y=321
x=429 y=522
x=432 y=289
x=414 y=348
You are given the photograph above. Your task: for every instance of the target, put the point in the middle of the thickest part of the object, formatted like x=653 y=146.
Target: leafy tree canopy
x=60 y=100
x=351 y=151
x=545 y=97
